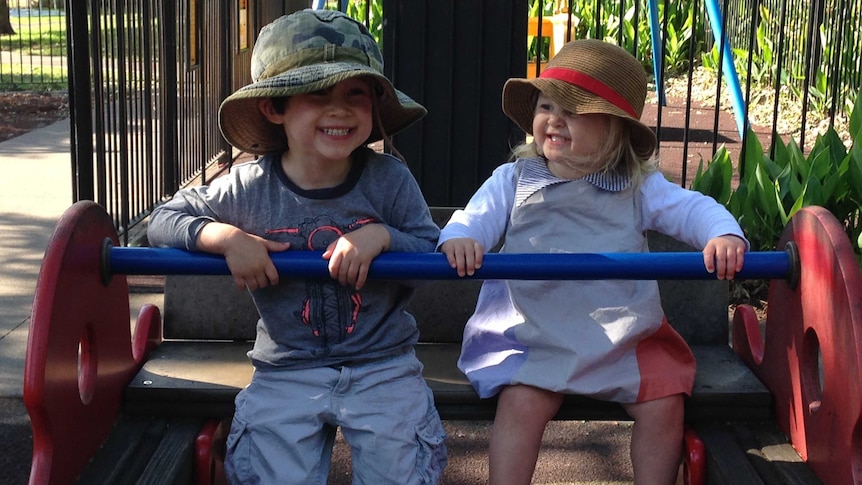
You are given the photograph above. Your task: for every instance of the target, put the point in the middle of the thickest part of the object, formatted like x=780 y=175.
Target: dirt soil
x=21 y=112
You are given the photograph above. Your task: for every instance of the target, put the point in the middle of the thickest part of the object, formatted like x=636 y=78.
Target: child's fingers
x=253 y=281
x=735 y=259
x=457 y=257
x=709 y=258
x=239 y=283
x=720 y=266
x=471 y=259
x=467 y=264
x=361 y=277
x=463 y=254
x=478 y=253
x=458 y=260
x=253 y=273
x=726 y=262
x=271 y=273
x=275 y=246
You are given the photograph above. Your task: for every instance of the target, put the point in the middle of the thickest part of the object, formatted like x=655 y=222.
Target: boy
x=334 y=352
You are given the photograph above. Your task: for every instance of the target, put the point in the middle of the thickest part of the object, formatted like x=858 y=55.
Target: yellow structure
x=554 y=28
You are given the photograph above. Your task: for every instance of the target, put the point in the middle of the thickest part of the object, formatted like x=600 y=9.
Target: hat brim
x=519 y=96
x=244 y=126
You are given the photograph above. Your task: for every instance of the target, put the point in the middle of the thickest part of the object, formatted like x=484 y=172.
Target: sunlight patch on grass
x=41 y=35
x=28 y=78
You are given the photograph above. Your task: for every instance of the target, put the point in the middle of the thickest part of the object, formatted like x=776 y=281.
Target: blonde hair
x=617 y=152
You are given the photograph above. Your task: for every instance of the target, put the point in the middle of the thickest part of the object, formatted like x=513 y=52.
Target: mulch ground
x=21 y=112
x=692 y=134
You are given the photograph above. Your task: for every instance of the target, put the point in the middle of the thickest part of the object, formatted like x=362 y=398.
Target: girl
x=587 y=182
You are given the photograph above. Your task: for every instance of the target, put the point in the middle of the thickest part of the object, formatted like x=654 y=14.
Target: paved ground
x=36 y=187
x=34 y=190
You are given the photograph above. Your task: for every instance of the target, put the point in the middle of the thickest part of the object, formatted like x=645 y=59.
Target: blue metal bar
x=657 y=54
x=730 y=76
x=433 y=266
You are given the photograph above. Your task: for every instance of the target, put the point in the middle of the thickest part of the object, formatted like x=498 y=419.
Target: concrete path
x=35 y=189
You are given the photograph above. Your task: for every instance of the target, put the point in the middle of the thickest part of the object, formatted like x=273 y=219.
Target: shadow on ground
x=16 y=442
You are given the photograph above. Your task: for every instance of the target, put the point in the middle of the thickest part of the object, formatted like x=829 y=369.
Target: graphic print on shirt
x=329 y=309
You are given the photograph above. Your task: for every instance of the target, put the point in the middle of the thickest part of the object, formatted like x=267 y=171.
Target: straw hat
x=304 y=52
x=587 y=76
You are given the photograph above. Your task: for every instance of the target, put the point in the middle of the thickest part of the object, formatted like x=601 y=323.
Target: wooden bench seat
x=184 y=378
x=209 y=325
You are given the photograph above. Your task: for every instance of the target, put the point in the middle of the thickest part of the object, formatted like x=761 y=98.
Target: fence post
x=169 y=159
x=80 y=106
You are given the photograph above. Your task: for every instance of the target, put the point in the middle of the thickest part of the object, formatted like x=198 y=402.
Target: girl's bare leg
x=522 y=414
x=656 y=447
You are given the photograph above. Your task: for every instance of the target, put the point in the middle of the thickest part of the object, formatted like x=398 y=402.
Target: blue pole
x=657 y=55
x=433 y=266
x=736 y=99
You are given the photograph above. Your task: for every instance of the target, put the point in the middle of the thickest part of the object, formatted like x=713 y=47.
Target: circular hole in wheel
x=86 y=365
x=811 y=369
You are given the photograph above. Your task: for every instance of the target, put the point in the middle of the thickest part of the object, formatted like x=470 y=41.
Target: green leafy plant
x=760 y=70
x=603 y=19
x=357 y=9
x=682 y=26
x=770 y=191
x=716 y=179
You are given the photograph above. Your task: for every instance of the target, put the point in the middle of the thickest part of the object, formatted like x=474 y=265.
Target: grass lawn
x=38 y=35
x=28 y=59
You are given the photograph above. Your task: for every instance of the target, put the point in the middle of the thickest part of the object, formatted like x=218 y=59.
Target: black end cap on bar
x=105 y=262
x=793 y=272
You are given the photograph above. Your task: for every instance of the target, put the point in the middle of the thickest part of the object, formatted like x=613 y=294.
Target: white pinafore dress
x=606 y=339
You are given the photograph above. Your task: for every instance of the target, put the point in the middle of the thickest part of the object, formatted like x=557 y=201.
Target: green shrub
x=771 y=191
x=603 y=19
x=373 y=20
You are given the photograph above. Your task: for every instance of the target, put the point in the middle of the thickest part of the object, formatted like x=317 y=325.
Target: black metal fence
x=147 y=76
x=805 y=52
x=145 y=93
x=787 y=68
x=34 y=57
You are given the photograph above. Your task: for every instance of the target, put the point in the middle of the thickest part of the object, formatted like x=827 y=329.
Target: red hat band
x=591 y=84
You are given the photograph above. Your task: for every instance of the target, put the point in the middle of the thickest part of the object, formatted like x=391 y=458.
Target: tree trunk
x=5 y=21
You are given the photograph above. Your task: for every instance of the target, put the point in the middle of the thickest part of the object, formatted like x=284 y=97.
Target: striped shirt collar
x=535 y=176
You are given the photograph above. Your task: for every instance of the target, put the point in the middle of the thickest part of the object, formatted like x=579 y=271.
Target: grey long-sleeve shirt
x=311 y=323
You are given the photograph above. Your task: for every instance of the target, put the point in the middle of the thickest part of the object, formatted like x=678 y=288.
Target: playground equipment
x=109 y=405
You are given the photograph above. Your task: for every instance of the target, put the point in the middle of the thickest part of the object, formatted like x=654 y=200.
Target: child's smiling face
x=328 y=124
x=569 y=141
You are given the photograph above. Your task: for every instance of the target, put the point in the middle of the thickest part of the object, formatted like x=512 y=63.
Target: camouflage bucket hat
x=305 y=52
x=587 y=76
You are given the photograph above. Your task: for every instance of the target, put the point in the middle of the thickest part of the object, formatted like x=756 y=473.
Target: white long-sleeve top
x=607 y=338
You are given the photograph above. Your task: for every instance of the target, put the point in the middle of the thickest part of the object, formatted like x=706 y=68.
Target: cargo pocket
x=237 y=464
x=431 y=457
